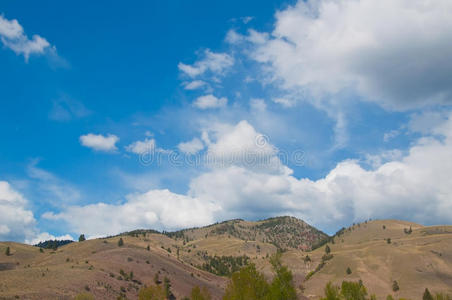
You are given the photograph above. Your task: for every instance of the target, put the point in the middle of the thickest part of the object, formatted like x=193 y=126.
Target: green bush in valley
x=349 y=271
x=153 y=292
x=247 y=284
x=281 y=287
x=7 y=251
x=442 y=296
x=84 y=296
x=348 y=291
x=332 y=292
x=353 y=290
x=198 y=293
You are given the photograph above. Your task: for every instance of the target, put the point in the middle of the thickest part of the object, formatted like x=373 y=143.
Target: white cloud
x=16 y=222
x=210 y=101
x=99 y=142
x=241 y=145
x=13 y=37
x=216 y=63
x=413 y=185
x=159 y=209
x=45 y=236
x=195 y=84
x=426 y=121
x=396 y=53
x=284 y=102
x=258 y=104
x=140 y=147
x=233 y=37
x=191 y=147
x=147 y=146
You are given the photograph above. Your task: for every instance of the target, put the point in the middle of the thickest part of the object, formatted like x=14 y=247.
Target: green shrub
x=200 y=294
x=84 y=296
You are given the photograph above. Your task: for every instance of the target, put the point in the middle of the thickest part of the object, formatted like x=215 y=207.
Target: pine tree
x=81 y=238
x=7 y=251
x=148 y=248
x=395 y=286
x=120 y=242
x=349 y=271
x=427 y=295
x=327 y=249
x=167 y=287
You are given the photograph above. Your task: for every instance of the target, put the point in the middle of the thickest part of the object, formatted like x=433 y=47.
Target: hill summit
x=282 y=232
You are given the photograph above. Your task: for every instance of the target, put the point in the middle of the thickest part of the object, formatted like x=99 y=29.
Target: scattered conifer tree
x=120 y=242
x=7 y=251
x=81 y=238
x=167 y=287
x=327 y=249
x=349 y=271
x=427 y=295
x=395 y=286
x=153 y=292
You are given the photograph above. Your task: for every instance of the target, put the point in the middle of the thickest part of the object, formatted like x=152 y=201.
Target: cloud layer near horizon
x=415 y=184
x=17 y=222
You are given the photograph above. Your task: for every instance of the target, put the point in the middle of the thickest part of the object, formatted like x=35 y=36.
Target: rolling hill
x=377 y=252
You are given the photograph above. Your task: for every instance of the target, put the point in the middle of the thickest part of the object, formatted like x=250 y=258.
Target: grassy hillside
x=416 y=258
x=282 y=232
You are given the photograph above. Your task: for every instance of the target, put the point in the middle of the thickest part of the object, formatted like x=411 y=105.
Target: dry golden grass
x=417 y=260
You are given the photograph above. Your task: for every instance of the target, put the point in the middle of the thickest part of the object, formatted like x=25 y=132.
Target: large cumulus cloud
x=415 y=186
x=396 y=53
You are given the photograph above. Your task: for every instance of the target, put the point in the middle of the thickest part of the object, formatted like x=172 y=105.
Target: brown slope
x=96 y=265
x=416 y=261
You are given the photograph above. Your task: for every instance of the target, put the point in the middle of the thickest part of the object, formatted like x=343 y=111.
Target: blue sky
x=351 y=110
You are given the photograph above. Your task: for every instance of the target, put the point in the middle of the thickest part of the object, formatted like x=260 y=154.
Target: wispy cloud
x=66 y=109
x=13 y=37
x=210 y=101
x=53 y=189
x=217 y=63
